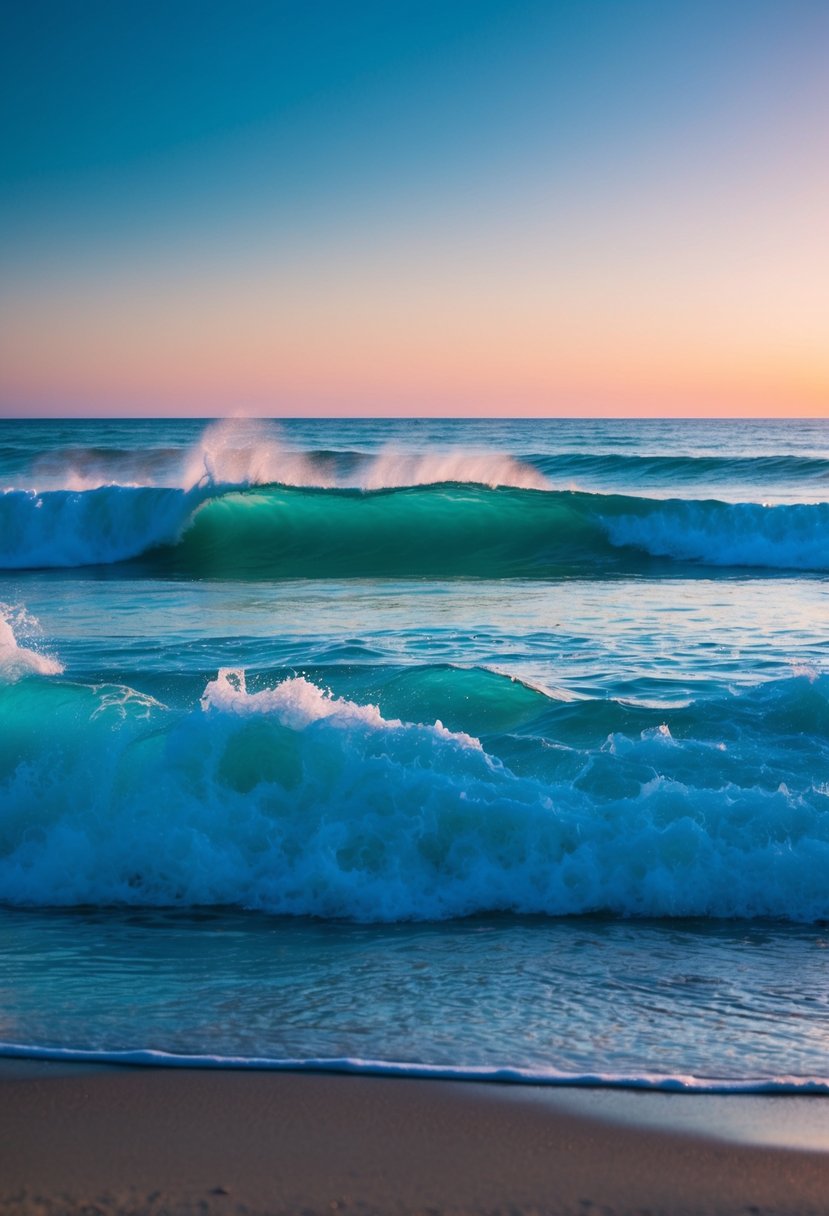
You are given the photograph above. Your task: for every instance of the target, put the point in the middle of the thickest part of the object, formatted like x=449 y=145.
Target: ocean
x=485 y=749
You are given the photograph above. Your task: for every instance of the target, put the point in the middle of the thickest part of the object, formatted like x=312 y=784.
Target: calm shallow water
x=716 y=999
x=609 y=856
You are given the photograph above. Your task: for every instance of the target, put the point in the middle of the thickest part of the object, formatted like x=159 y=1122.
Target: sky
x=575 y=207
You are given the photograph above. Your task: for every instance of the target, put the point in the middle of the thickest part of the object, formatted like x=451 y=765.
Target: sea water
x=466 y=748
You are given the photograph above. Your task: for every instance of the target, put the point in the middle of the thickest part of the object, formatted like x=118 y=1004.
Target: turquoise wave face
x=292 y=801
x=443 y=530
x=434 y=531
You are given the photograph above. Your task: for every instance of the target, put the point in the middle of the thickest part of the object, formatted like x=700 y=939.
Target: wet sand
x=97 y=1140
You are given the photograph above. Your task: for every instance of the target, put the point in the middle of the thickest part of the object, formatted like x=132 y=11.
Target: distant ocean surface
x=464 y=748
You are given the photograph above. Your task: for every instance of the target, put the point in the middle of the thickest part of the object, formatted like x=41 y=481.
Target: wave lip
x=354 y=1065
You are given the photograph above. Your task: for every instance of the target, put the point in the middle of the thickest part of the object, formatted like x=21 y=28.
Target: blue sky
x=171 y=149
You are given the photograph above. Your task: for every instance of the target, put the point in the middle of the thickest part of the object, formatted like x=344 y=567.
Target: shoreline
x=103 y=1139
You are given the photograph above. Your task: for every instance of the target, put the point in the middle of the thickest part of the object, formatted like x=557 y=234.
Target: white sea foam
x=789 y=536
x=297 y=703
x=17 y=661
x=296 y=802
x=354 y=1065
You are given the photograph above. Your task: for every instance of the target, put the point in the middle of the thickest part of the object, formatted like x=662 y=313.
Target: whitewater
x=521 y=728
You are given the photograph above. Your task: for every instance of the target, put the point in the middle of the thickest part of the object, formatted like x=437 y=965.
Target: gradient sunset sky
x=590 y=207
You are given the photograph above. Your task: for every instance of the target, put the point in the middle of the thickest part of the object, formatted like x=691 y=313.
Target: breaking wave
x=450 y=528
x=293 y=801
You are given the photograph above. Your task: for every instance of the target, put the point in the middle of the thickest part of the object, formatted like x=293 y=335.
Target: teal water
x=481 y=745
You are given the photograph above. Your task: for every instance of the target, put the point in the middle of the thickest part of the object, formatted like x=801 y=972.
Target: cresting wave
x=351 y=1065
x=295 y=802
x=437 y=530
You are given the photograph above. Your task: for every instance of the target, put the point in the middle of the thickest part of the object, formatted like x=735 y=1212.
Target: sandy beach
x=101 y=1140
